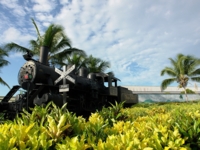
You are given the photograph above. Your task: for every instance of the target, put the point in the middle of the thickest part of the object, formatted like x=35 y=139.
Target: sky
x=136 y=37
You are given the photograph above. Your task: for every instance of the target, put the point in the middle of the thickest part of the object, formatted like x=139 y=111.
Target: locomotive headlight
x=27 y=72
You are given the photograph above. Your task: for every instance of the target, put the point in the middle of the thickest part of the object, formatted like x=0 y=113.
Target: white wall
x=157 y=89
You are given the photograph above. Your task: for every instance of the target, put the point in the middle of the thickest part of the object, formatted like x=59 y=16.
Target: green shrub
x=188 y=91
x=168 y=126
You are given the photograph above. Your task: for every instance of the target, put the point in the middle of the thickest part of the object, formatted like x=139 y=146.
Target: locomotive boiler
x=82 y=91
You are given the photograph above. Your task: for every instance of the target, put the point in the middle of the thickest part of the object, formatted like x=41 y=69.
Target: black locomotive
x=83 y=91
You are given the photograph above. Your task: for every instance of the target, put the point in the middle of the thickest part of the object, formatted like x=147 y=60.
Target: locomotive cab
x=111 y=87
x=119 y=93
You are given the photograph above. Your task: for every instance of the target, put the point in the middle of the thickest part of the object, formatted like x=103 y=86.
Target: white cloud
x=43 y=5
x=136 y=37
x=145 y=33
x=64 y=2
x=14 y=35
x=16 y=9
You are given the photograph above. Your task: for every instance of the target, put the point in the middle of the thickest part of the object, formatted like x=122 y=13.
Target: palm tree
x=60 y=58
x=184 y=68
x=3 y=63
x=77 y=59
x=54 y=38
x=96 y=64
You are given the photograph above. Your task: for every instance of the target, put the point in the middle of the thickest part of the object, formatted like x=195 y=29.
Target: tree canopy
x=54 y=38
x=183 y=68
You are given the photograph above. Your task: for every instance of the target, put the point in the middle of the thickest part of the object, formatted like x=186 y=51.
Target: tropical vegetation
x=183 y=68
x=77 y=59
x=61 y=51
x=54 y=38
x=159 y=126
x=188 y=91
x=3 y=63
x=92 y=64
x=96 y=64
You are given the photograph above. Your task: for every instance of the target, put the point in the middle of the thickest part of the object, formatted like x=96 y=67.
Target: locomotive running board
x=10 y=94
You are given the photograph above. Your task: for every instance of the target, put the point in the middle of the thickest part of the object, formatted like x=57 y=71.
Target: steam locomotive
x=82 y=91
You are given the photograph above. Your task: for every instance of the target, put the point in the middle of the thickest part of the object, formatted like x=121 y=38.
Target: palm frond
x=195 y=72
x=37 y=30
x=16 y=47
x=3 y=54
x=78 y=51
x=180 y=62
x=191 y=64
x=4 y=83
x=3 y=62
x=96 y=64
x=169 y=71
x=173 y=62
x=50 y=34
x=77 y=59
x=165 y=83
x=197 y=79
x=60 y=44
x=35 y=46
x=103 y=66
x=69 y=51
x=179 y=56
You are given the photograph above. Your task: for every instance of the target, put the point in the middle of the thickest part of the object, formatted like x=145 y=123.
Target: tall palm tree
x=54 y=38
x=184 y=68
x=3 y=63
x=96 y=64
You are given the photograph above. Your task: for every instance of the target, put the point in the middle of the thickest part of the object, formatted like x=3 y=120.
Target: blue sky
x=137 y=37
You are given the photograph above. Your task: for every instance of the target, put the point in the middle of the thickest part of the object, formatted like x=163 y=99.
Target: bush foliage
x=188 y=91
x=143 y=127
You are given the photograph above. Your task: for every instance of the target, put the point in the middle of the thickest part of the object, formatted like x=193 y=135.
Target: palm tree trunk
x=186 y=94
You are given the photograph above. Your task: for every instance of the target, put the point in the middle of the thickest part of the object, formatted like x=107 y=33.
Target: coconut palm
x=96 y=64
x=54 y=38
x=3 y=63
x=184 y=68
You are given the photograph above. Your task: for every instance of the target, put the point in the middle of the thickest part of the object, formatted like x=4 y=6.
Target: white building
x=157 y=89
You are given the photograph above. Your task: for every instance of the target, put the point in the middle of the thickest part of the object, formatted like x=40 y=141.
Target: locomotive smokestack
x=44 y=50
